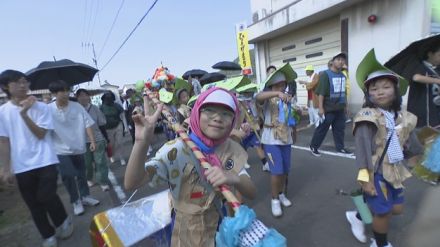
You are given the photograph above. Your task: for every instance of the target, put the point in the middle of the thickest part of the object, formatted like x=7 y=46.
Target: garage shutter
x=315 y=44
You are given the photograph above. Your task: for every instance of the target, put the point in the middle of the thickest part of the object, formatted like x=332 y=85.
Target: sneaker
x=90 y=183
x=276 y=208
x=266 y=167
x=283 y=199
x=50 y=242
x=89 y=201
x=78 y=208
x=65 y=230
x=247 y=166
x=345 y=151
x=357 y=226
x=123 y=163
x=373 y=243
x=112 y=160
x=315 y=152
x=105 y=187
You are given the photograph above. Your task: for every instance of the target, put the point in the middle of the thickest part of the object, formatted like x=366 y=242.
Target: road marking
x=117 y=188
x=348 y=156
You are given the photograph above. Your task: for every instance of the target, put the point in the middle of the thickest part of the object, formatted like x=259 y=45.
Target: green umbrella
x=234 y=82
x=179 y=85
x=369 y=64
x=192 y=100
x=249 y=88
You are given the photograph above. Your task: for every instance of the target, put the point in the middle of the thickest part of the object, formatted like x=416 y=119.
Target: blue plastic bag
x=232 y=230
x=432 y=161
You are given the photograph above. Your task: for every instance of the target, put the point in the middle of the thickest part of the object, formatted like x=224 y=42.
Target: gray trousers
x=73 y=173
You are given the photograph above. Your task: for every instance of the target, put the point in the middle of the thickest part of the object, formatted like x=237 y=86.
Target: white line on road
x=348 y=156
x=119 y=191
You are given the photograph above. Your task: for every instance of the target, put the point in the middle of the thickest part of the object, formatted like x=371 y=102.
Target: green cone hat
x=370 y=68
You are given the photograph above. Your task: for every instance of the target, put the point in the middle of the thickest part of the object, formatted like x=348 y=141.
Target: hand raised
x=144 y=122
x=27 y=103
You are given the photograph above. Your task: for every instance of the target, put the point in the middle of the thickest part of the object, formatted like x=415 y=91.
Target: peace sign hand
x=144 y=122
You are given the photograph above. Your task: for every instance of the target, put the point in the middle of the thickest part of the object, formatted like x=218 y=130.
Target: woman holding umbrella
x=425 y=87
x=418 y=63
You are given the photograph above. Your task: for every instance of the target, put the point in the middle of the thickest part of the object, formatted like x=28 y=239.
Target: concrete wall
x=399 y=22
x=293 y=15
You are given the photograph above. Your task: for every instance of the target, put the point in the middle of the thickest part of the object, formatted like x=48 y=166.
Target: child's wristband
x=363 y=175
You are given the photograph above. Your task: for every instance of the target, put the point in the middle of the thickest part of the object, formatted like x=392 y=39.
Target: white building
x=306 y=32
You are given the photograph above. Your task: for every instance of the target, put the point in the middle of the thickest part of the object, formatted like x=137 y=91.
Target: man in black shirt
x=424 y=97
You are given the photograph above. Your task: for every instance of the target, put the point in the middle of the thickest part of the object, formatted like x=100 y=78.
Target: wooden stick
x=224 y=189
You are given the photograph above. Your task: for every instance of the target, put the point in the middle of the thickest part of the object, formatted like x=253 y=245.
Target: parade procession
x=216 y=132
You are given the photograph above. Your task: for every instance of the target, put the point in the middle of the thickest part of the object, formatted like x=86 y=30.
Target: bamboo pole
x=224 y=189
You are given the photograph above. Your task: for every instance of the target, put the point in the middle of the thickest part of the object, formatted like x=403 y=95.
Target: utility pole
x=96 y=63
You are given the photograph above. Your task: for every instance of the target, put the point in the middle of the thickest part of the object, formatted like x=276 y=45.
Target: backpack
x=112 y=115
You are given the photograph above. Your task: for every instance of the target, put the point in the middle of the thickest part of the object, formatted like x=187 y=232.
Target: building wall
x=399 y=22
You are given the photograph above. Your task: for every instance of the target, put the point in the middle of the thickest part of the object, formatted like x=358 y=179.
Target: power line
x=126 y=39
x=98 y=10
x=93 y=16
x=83 y=40
x=111 y=29
x=89 y=22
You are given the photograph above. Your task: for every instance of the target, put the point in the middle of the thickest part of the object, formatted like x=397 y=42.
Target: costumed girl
x=278 y=129
x=196 y=203
x=384 y=138
x=250 y=122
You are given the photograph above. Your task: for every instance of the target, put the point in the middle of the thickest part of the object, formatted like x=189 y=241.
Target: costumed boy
x=384 y=137
x=276 y=137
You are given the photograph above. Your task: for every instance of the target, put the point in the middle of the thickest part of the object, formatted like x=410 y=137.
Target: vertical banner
x=244 y=56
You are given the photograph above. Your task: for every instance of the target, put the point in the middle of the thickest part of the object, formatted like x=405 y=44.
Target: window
x=290 y=47
x=316 y=54
x=312 y=41
x=293 y=59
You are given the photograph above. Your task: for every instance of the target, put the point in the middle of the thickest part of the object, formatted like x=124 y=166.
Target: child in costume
x=384 y=137
x=277 y=132
x=166 y=97
x=167 y=81
x=196 y=203
x=250 y=122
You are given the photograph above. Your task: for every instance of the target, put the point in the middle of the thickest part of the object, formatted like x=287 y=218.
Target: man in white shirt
x=26 y=151
x=311 y=84
x=71 y=122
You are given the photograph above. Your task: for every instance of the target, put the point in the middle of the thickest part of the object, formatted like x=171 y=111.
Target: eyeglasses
x=212 y=113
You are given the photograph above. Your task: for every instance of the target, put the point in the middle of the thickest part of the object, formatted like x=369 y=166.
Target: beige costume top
x=405 y=123
x=193 y=199
x=184 y=110
x=274 y=132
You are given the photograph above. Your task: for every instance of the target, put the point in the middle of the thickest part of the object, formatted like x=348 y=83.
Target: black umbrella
x=211 y=77
x=194 y=73
x=408 y=59
x=66 y=70
x=226 y=65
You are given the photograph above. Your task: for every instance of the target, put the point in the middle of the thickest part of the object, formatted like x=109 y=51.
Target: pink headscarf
x=195 y=116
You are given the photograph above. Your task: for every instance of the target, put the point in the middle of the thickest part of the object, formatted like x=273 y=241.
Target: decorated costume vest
x=395 y=174
x=193 y=199
x=280 y=130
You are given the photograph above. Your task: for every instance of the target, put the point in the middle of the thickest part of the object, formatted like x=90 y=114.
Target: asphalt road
x=317 y=217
